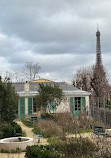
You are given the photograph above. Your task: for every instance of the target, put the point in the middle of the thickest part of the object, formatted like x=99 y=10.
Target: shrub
x=16 y=127
x=41 y=152
x=37 y=130
x=47 y=128
x=8 y=130
x=27 y=122
x=80 y=147
x=84 y=121
x=18 y=150
x=72 y=148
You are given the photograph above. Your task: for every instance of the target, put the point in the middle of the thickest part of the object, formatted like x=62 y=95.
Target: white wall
x=26 y=106
x=65 y=105
x=87 y=104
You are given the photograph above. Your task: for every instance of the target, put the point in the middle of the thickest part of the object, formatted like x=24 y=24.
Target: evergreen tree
x=8 y=102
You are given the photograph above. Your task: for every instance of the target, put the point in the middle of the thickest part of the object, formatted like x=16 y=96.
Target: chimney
x=26 y=86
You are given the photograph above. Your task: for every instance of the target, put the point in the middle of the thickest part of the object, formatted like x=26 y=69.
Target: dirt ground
x=6 y=155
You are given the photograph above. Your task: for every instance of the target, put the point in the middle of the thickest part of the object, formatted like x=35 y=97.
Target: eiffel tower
x=100 y=82
x=98 y=49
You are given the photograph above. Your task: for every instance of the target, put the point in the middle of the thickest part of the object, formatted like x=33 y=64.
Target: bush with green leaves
x=27 y=122
x=74 y=147
x=8 y=102
x=8 y=130
x=80 y=147
x=41 y=152
x=16 y=127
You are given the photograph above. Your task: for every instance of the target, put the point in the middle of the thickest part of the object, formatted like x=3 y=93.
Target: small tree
x=49 y=94
x=8 y=102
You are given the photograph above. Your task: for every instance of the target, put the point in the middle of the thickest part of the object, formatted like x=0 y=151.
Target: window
x=53 y=105
x=34 y=105
x=77 y=103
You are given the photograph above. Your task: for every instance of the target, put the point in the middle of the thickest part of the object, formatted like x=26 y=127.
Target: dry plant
x=84 y=121
x=69 y=125
x=104 y=145
x=48 y=128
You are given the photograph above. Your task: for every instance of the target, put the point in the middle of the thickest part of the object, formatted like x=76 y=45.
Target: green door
x=29 y=106
x=75 y=106
x=22 y=108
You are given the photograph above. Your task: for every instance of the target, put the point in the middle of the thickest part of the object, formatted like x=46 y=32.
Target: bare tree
x=92 y=79
x=99 y=81
x=31 y=70
x=82 y=78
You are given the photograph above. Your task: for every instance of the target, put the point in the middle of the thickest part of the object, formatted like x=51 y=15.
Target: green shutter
x=22 y=108
x=72 y=105
x=53 y=105
x=29 y=106
x=83 y=103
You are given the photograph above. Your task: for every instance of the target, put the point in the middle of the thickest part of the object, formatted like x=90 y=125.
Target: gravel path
x=28 y=130
x=30 y=134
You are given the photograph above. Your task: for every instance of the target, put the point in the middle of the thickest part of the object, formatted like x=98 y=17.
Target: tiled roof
x=19 y=87
x=34 y=87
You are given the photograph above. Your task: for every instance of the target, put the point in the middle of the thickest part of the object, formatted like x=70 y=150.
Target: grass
x=24 y=134
x=27 y=123
x=18 y=150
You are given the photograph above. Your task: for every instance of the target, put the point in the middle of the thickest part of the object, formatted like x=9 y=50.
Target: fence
x=100 y=110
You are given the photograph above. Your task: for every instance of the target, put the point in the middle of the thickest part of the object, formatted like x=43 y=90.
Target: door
x=22 y=108
x=75 y=106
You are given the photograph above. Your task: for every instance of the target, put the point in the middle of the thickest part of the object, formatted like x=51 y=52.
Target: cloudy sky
x=59 y=35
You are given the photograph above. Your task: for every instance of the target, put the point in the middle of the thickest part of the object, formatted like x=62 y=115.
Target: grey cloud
x=60 y=35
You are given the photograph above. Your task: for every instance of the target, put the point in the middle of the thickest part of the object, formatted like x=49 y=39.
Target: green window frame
x=83 y=103
x=22 y=107
x=30 y=106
